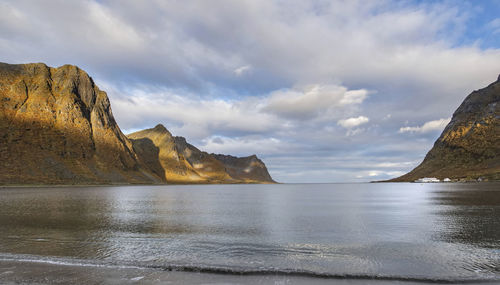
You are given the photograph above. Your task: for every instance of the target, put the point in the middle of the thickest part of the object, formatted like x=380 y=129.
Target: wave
x=228 y=270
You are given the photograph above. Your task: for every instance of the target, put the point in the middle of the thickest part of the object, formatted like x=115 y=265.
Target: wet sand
x=22 y=272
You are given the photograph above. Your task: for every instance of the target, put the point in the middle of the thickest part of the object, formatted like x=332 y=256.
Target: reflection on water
x=408 y=230
x=469 y=213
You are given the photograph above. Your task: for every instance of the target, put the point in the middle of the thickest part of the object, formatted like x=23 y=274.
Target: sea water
x=442 y=232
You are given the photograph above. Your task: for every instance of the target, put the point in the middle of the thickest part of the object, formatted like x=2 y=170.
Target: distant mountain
x=469 y=147
x=249 y=168
x=180 y=162
x=56 y=127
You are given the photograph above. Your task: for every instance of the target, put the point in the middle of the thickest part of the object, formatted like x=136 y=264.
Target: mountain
x=180 y=162
x=176 y=160
x=56 y=127
x=248 y=168
x=469 y=146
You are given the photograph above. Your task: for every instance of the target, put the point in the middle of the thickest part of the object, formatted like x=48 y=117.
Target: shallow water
x=405 y=231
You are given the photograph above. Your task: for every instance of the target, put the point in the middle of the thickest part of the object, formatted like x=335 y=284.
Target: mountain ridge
x=184 y=163
x=57 y=127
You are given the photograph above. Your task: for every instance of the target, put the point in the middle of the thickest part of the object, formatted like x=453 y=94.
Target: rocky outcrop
x=177 y=161
x=56 y=127
x=469 y=146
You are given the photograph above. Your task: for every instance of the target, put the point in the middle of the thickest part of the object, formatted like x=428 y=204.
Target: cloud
x=197 y=117
x=244 y=146
x=354 y=97
x=236 y=75
x=353 y=132
x=494 y=25
x=437 y=125
x=312 y=100
x=378 y=175
x=353 y=122
x=242 y=70
x=189 y=115
x=199 y=45
x=395 y=164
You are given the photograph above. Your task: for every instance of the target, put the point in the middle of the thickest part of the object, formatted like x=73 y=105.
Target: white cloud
x=243 y=146
x=310 y=101
x=353 y=122
x=353 y=132
x=242 y=70
x=437 y=125
x=402 y=164
x=495 y=25
x=354 y=97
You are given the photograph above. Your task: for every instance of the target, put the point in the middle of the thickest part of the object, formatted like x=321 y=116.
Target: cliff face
x=177 y=161
x=56 y=127
x=469 y=146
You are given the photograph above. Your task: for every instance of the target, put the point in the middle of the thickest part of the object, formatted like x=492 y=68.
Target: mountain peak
x=160 y=128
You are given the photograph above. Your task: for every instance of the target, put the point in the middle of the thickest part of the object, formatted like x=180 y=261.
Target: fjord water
x=398 y=231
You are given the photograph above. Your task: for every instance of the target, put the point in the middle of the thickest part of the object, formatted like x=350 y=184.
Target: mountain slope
x=469 y=146
x=56 y=127
x=180 y=162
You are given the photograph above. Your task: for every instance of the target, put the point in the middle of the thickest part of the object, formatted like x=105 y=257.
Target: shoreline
x=2 y=186
x=128 y=184
x=48 y=272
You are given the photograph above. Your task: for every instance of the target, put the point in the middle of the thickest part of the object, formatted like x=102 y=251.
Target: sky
x=321 y=91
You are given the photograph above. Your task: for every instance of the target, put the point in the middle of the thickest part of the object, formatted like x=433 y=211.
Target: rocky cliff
x=56 y=127
x=180 y=162
x=469 y=146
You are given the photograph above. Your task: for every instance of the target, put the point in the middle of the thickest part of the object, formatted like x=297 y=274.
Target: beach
x=23 y=272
